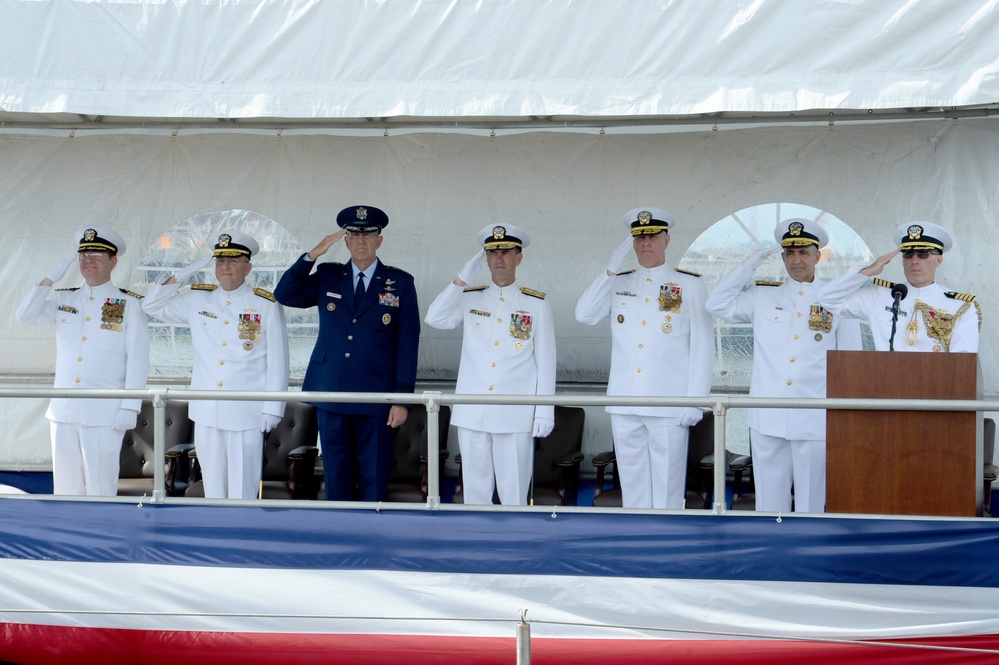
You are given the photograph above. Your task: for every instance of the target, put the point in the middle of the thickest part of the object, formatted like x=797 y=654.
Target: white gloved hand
x=689 y=416
x=617 y=256
x=125 y=420
x=471 y=269
x=543 y=427
x=59 y=270
x=757 y=258
x=184 y=273
x=268 y=422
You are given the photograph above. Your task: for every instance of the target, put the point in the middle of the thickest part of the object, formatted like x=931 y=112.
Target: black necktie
x=359 y=291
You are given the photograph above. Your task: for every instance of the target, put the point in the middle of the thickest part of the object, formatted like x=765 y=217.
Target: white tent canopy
x=140 y=115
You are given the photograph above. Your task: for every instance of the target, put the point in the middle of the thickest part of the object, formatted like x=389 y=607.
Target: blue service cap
x=362 y=219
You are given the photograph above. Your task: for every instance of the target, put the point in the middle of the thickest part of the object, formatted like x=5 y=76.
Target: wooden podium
x=903 y=462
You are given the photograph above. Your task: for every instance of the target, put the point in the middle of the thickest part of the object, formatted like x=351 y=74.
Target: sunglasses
x=909 y=253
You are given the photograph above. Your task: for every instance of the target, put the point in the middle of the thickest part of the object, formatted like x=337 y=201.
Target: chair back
x=137 y=459
x=409 y=471
x=555 y=483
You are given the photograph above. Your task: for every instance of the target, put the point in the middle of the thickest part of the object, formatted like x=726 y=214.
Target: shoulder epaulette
x=960 y=296
x=69 y=288
x=204 y=287
x=132 y=293
x=470 y=289
x=688 y=272
x=626 y=272
x=766 y=282
x=532 y=292
x=883 y=282
x=264 y=293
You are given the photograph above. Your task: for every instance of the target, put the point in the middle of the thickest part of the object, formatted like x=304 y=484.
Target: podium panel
x=902 y=462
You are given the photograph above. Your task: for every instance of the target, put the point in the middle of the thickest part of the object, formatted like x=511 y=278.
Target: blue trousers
x=357 y=455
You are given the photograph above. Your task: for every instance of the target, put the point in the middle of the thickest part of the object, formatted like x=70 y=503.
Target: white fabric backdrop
x=368 y=58
x=568 y=190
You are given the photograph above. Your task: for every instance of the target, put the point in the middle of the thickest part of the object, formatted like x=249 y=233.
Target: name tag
x=333 y=295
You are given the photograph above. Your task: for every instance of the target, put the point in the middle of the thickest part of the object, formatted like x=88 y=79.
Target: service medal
x=670 y=298
x=820 y=318
x=386 y=318
x=620 y=318
x=520 y=325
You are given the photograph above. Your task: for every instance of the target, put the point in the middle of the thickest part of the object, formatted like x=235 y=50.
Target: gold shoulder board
x=883 y=282
x=132 y=293
x=764 y=282
x=204 y=287
x=69 y=288
x=470 y=289
x=689 y=272
x=967 y=297
x=626 y=272
x=264 y=293
x=531 y=292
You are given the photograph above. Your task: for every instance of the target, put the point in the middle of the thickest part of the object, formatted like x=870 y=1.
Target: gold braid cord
x=938 y=323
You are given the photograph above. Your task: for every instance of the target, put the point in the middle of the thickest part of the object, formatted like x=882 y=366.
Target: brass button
x=798 y=315
x=499 y=319
x=496 y=343
x=643 y=323
x=220 y=384
x=225 y=343
x=789 y=382
x=226 y=322
x=79 y=358
x=792 y=359
x=77 y=380
x=641 y=346
x=227 y=302
x=492 y=364
x=84 y=338
x=646 y=300
x=502 y=299
x=91 y=298
x=221 y=362
x=639 y=370
x=88 y=318
x=490 y=387
x=796 y=337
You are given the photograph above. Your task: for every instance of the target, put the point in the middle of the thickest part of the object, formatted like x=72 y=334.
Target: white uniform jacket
x=508 y=348
x=102 y=341
x=240 y=343
x=858 y=296
x=791 y=335
x=662 y=342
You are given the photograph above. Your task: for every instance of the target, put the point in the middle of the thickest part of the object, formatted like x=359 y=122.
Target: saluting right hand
x=59 y=270
x=471 y=269
x=325 y=244
x=186 y=272
x=617 y=256
x=879 y=264
x=757 y=258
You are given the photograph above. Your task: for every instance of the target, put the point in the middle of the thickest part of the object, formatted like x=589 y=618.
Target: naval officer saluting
x=791 y=335
x=369 y=334
x=661 y=345
x=240 y=343
x=931 y=317
x=102 y=341
x=508 y=348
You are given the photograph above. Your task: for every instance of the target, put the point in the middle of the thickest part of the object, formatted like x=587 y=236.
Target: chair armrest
x=570 y=459
x=740 y=462
x=441 y=455
x=303 y=452
x=179 y=450
x=603 y=459
x=990 y=472
x=457 y=459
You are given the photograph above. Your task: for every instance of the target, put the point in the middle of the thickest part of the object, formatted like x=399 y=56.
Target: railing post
x=159 y=443
x=721 y=462
x=432 y=400
x=523 y=640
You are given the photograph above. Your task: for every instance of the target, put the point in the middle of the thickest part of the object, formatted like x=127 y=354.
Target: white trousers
x=85 y=460
x=780 y=463
x=231 y=461
x=651 y=456
x=501 y=461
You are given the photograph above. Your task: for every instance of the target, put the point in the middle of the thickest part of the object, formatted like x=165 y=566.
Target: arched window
x=726 y=244
x=170 y=352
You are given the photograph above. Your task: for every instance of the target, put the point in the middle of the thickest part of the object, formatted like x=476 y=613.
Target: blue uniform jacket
x=371 y=349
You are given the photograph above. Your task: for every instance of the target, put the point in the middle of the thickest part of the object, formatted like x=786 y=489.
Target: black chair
x=740 y=469
x=557 y=458
x=409 y=478
x=990 y=471
x=137 y=459
x=289 y=458
x=698 y=493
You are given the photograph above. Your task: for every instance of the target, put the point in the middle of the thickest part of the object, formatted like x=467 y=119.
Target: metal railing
x=432 y=400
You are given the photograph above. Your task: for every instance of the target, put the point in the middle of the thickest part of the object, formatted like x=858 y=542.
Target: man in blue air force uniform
x=369 y=333
x=661 y=345
x=240 y=343
x=791 y=335
x=930 y=316
x=508 y=348
x=102 y=341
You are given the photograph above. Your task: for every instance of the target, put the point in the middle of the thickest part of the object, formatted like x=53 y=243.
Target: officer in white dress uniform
x=240 y=343
x=662 y=344
x=102 y=341
x=791 y=334
x=508 y=348
x=930 y=316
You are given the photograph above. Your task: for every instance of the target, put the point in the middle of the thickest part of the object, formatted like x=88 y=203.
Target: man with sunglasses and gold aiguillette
x=931 y=317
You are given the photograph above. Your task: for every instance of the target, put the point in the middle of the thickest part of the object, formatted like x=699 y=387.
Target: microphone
x=898 y=293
